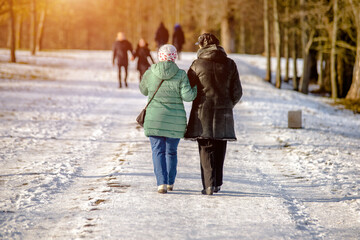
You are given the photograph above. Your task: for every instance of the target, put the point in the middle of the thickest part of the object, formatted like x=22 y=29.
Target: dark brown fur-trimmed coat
x=218 y=90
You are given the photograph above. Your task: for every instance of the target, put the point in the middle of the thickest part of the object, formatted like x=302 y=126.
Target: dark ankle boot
x=208 y=191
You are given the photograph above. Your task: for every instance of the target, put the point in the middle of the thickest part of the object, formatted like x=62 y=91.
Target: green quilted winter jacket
x=165 y=115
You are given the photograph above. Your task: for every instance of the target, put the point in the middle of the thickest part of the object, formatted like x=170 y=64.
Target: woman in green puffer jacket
x=165 y=120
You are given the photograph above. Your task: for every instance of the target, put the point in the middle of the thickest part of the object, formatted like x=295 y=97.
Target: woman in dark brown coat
x=211 y=120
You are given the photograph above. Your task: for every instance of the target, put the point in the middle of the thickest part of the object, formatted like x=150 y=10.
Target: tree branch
x=344 y=44
x=355 y=8
x=310 y=42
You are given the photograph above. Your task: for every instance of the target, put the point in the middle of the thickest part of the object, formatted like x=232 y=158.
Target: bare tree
x=308 y=31
x=304 y=81
x=40 y=30
x=277 y=40
x=286 y=41
x=294 y=57
x=33 y=27
x=354 y=92
x=321 y=72
x=294 y=48
x=178 y=4
x=227 y=31
x=242 y=35
x=267 y=41
x=12 y=24
x=204 y=16
x=334 y=89
x=4 y=9
x=18 y=29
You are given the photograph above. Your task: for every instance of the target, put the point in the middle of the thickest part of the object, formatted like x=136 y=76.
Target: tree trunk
x=227 y=40
x=40 y=31
x=327 y=81
x=304 y=81
x=267 y=41
x=277 y=40
x=128 y=31
x=12 y=26
x=340 y=75
x=140 y=17
x=33 y=28
x=294 y=57
x=18 y=30
x=354 y=92
x=286 y=43
x=225 y=34
x=321 y=73
x=242 y=36
x=88 y=39
x=204 y=17
x=178 y=11
x=312 y=66
x=294 y=51
x=334 y=89
x=9 y=29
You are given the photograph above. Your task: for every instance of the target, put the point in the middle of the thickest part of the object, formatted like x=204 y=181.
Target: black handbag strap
x=154 y=94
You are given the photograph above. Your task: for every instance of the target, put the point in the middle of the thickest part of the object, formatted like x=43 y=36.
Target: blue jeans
x=164 y=155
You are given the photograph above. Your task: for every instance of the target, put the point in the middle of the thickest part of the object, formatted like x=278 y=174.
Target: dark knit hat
x=207 y=39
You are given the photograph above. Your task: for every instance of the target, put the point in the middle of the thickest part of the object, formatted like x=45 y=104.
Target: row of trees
x=93 y=24
x=325 y=31
x=326 y=34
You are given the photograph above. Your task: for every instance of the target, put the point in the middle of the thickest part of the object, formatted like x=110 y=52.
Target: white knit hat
x=167 y=52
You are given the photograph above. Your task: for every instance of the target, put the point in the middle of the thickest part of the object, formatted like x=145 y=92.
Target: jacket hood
x=164 y=70
x=212 y=52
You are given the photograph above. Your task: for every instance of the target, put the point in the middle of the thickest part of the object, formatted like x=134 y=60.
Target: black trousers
x=212 y=156
x=126 y=73
x=142 y=69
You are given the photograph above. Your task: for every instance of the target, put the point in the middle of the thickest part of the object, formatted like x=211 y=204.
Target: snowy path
x=75 y=165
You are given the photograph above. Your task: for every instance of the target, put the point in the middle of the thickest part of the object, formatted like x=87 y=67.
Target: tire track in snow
x=275 y=183
x=250 y=127
x=294 y=160
x=296 y=207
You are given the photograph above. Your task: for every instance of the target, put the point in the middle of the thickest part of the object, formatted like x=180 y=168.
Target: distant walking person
x=161 y=36
x=211 y=120
x=178 y=38
x=120 y=53
x=165 y=120
x=142 y=52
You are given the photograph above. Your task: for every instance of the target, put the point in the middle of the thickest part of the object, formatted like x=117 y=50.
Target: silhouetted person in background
x=162 y=35
x=142 y=52
x=178 y=38
x=120 y=49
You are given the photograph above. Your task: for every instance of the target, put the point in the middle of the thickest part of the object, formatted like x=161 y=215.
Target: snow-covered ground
x=74 y=164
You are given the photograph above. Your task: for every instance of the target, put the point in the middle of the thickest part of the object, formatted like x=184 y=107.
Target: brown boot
x=162 y=188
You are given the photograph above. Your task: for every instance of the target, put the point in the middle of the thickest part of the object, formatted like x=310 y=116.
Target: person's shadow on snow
x=221 y=193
